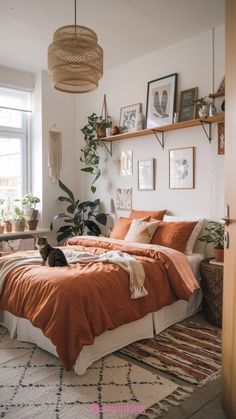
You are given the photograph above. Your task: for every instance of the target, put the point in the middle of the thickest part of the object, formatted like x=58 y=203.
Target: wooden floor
x=204 y=403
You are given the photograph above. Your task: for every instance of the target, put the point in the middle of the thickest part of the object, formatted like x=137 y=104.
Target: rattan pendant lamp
x=75 y=60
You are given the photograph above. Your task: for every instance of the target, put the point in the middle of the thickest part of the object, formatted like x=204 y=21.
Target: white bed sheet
x=113 y=340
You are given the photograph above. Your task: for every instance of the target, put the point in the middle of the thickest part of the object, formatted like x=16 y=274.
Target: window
x=14 y=143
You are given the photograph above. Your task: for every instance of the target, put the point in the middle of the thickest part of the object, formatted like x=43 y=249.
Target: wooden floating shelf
x=179 y=125
x=219 y=94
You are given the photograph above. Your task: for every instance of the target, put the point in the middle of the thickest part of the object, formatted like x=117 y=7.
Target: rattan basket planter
x=212 y=286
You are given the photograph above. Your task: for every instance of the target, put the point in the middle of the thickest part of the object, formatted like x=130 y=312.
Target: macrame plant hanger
x=107 y=119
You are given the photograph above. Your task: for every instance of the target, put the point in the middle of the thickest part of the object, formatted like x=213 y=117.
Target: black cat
x=50 y=255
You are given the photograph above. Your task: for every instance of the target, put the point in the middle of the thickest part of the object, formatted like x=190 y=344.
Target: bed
x=137 y=318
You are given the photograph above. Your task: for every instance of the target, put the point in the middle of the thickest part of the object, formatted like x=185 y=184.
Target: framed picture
x=129 y=117
x=125 y=163
x=181 y=168
x=123 y=198
x=221 y=138
x=187 y=106
x=161 y=101
x=146 y=175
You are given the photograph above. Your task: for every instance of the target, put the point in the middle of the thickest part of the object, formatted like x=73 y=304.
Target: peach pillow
x=158 y=215
x=141 y=231
x=121 y=228
x=173 y=234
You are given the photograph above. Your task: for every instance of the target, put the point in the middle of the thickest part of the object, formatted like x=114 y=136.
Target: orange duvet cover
x=72 y=305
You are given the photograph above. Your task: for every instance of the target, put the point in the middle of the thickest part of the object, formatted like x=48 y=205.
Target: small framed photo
x=146 y=175
x=125 y=163
x=123 y=199
x=181 y=168
x=187 y=107
x=221 y=138
x=129 y=117
x=161 y=101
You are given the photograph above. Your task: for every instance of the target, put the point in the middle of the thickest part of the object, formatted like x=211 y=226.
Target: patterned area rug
x=186 y=350
x=34 y=384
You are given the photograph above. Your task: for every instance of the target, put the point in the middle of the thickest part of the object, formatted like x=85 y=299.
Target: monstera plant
x=80 y=217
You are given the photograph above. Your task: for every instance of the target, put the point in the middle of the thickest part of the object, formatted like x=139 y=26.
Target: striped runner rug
x=189 y=351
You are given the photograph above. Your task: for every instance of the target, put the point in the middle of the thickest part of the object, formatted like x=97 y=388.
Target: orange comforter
x=74 y=304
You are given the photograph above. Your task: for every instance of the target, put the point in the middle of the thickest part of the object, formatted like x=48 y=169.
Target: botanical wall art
x=187 y=107
x=161 y=101
x=123 y=198
x=129 y=117
x=146 y=175
x=221 y=138
x=181 y=168
x=125 y=163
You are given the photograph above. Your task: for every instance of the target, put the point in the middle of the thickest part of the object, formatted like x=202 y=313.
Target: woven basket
x=212 y=286
x=75 y=60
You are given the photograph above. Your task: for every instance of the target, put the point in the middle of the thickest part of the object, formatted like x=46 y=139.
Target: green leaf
x=101 y=218
x=93 y=188
x=64 y=198
x=66 y=190
x=87 y=169
x=71 y=209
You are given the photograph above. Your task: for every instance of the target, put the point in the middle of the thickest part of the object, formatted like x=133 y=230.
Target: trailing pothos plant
x=80 y=218
x=93 y=130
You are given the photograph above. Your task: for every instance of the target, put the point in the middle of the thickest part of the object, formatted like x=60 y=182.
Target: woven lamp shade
x=75 y=60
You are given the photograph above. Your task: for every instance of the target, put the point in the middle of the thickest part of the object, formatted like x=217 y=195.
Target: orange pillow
x=173 y=234
x=158 y=215
x=121 y=228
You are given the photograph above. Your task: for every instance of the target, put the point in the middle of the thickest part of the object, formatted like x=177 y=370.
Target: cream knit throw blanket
x=127 y=262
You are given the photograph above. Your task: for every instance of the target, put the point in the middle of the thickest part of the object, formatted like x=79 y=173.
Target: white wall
x=59 y=109
x=127 y=84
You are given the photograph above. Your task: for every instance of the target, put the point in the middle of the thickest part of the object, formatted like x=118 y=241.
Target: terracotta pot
x=17 y=226
x=7 y=226
x=1 y=229
x=32 y=224
x=219 y=255
x=114 y=130
x=100 y=133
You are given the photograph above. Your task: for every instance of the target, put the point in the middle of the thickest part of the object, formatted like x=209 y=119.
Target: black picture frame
x=161 y=101
x=187 y=106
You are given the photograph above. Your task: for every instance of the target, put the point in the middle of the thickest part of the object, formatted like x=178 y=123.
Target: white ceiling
x=126 y=28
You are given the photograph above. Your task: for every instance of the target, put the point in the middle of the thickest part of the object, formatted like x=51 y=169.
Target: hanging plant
x=93 y=130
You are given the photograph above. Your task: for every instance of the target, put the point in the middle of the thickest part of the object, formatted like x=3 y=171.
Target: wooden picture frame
x=161 y=101
x=181 y=168
x=187 y=106
x=123 y=200
x=146 y=175
x=129 y=117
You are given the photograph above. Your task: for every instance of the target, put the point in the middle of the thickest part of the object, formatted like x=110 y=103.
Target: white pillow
x=141 y=231
x=195 y=233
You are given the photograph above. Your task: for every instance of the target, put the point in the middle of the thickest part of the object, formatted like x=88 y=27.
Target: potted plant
x=202 y=105
x=1 y=215
x=80 y=218
x=93 y=130
x=29 y=202
x=18 y=220
x=215 y=234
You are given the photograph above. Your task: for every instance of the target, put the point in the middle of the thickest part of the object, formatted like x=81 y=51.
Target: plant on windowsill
x=1 y=215
x=29 y=202
x=80 y=218
x=93 y=131
x=18 y=220
x=215 y=234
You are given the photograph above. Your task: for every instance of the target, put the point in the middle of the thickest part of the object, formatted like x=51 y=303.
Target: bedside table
x=212 y=286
